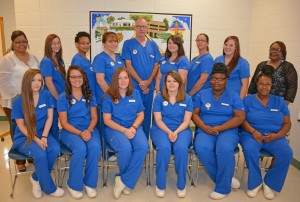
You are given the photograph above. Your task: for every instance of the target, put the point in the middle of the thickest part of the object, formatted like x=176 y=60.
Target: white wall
x=256 y=23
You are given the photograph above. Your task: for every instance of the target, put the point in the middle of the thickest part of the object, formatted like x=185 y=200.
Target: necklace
x=275 y=65
x=23 y=57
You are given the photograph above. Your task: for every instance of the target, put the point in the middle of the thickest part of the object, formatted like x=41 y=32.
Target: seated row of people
x=217 y=113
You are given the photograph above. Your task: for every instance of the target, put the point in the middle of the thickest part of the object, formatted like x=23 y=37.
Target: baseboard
x=3 y=118
x=296 y=163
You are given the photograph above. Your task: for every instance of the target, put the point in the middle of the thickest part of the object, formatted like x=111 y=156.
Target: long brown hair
x=180 y=94
x=178 y=41
x=86 y=89
x=28 y=103
x=113 y=90
x=237 y=53
x=48 y=53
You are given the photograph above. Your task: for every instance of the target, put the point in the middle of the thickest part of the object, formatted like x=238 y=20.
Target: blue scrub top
x=85 y=64
x=198 y=66
x=103 y=63
x=241 y=71
x=267 y=119
x=48 y=69
x=125 y=112
x=142 y=58
x=166 y=65
x=172 y=115
x=45 y=102
x=79 y=114
x=213 y=112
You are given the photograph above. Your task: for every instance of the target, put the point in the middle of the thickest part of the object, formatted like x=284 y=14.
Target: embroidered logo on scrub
x=208 y=105
x=134 y=51
x=163 y=62
x=91 y=68
x=165 y=103
x=73 y=101
x=112 y=63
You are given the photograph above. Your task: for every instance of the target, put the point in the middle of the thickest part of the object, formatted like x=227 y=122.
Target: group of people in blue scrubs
x=103 y=103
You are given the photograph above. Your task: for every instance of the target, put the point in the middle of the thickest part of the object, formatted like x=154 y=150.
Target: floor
x=204 y=185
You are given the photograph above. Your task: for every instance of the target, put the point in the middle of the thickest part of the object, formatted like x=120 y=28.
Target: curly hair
x=266 y=71
x=86 y=89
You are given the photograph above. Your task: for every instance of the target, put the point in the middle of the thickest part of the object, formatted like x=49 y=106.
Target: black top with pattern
x=285 y=81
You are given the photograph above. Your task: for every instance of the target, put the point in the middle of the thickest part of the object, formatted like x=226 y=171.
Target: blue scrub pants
x=275 y=176
x=44 y=161
x=90 y=150
x=217 y=155
x=147 y=102
x=131 y=154
x=164 y=148
x=54 y=128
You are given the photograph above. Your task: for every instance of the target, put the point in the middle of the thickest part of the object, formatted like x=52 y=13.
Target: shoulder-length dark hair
x=14 y=35
x=178 y=41
x=86 y=90
x=282 y=47
x=180 y=94
x=113 y=90
x=28 y=103
x=48 y=53
x=237 y=53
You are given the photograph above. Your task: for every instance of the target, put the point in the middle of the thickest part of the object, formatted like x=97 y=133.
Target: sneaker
x=36 y=189
x=59 y=192
x=119 y=187
x=268 y=193
x=235 y=183
x=91 y=192
x=113 y=158
x=217 y=196
x=160 y=193
x=126 y=191
x=75 y=194
x=181 y=193
x=253 y=192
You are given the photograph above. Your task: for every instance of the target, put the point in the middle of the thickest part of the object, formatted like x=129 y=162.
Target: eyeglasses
x=268 y=85
x=141 y=26
x=200 y=41
x=21 y=42
x=76 y=77
x=277 y=50
x=55 y=44
x=217 y=79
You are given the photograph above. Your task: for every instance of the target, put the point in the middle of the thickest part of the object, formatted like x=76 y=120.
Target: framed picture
x=161 y=26
x=2 y=38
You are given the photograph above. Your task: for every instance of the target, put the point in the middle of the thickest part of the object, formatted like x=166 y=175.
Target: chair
x=67 y=153
x=171 y=163
x=200 y=165
x=107 y=164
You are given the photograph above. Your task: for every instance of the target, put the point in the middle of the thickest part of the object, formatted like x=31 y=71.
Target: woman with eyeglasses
x=267 y=123
x=174 y=59
x=83 y=43
x=238 y=67
x=218 y=112
x=54 y=73
x=33 y=112
x=200 y=68
x=78 y=117
x=12 y=68
x=285 y=75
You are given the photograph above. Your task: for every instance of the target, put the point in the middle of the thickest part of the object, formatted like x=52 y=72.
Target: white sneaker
x=91 y=192
x=59 y=192
x=113 y=158
x=235 y=183
x=160 y=193
x=126 y=191
x=181 y=193
x=36 y=189
x=268 y=193
x=217 y=196
x=253 y=192
x=75 y=194
x=119 y=187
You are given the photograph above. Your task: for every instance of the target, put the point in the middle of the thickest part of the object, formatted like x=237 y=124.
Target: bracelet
x=253 y=131
x=44 y=136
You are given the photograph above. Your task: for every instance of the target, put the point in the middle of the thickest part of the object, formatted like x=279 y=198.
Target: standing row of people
x=106 y=84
